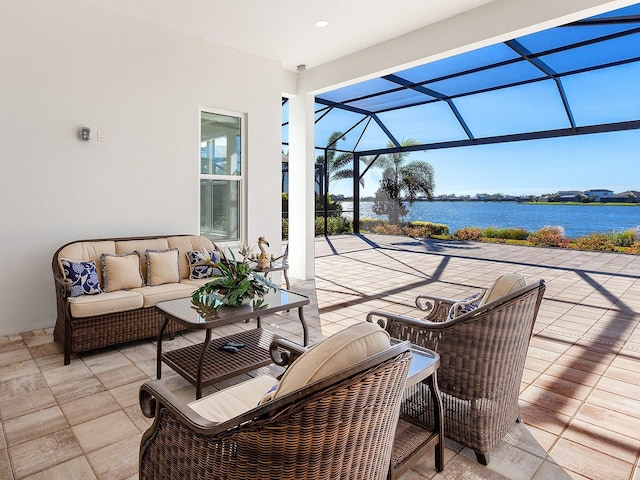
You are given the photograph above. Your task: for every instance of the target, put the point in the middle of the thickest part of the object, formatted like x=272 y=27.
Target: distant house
x=630 y=196
x=598 y=193
x=569 y=195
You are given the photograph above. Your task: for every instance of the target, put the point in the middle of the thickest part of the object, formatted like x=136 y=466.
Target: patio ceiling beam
x=518 y=137
x=521 y=50
x=435 y=94
x=361 y=111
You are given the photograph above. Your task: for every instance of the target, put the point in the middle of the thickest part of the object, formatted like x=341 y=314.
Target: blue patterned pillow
x=200 y=266
x=465 y=305
x=82 y=277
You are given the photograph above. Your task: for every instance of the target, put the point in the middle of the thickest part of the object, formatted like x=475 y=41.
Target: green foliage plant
x=236 y=282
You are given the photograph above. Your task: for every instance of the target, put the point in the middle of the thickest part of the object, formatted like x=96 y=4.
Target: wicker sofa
x=106 y=288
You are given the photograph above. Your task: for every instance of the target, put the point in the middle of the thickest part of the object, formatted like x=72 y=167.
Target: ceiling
x=283 y=30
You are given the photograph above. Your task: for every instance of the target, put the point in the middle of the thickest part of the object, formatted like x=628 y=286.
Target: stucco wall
x=64 y=66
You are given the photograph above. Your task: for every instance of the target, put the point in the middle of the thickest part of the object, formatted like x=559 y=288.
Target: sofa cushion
x=90 y=305
x=162 y=266
x=81 y=276
x=233 y=401
x=160 y=293
x=503 y=285
x=121 y=272
x=341 y=350
x=186 y=243
x=141 y=246
x=201 y=264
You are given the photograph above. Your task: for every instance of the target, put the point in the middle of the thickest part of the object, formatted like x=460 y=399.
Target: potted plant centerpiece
x=236 y=283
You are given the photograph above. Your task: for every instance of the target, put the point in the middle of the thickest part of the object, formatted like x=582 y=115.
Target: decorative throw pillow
x=82 y=277
x=465 y=305
x=201 y=266
x=121 y=272
x=162 y=266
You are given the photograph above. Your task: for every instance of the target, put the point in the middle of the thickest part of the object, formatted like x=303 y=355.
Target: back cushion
x=342 y=350
x=84 y=251
x=504 y=285
x=188 y=243
x=141 y=246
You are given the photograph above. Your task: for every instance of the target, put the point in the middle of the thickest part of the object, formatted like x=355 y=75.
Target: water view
x=577 y=220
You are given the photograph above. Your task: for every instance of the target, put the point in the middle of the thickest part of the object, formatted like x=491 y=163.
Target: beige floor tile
x=75 y=469
x=43 y=453
x=88 y=408
x=34 y=425
x=117 y=460
x=12 y=407
x=103 y=431
x=590 y=463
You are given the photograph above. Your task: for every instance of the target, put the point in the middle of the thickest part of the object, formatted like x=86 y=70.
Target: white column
x=301 y=187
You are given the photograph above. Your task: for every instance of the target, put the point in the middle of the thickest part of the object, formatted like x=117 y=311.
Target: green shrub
x=549 y=237
x=285 y=228
x=367 y=224
x=426 y=229
x=388 y=229
x=335 y=226
x=596 y=242
x=468 y=233
x=635 y=249
x=625 y=239
x=506 y=233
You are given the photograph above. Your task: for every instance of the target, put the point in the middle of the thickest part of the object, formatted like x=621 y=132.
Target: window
x=221 y=175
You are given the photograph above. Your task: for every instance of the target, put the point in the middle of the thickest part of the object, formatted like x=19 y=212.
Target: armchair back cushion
x=503 y=285
x=340 y=351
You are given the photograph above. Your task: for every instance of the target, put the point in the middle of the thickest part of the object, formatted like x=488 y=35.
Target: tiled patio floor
x=580 y=395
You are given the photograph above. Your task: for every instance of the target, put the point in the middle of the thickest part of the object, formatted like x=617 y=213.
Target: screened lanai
x=577 y=79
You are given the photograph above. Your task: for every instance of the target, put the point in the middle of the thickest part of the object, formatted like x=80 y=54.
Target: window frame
x=241 y=179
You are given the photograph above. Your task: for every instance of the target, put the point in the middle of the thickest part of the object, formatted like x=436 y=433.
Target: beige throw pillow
x=162 y=266
x=121 y=272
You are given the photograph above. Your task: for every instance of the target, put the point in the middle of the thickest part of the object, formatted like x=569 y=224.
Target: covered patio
x=579 y=395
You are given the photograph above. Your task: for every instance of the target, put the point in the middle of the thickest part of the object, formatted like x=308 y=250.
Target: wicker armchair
x=340 y=427
x=482 y=356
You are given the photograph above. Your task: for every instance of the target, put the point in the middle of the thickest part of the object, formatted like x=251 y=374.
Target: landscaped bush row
x=550 y=236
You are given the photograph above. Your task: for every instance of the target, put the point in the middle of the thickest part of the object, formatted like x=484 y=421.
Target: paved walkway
x=580 y=395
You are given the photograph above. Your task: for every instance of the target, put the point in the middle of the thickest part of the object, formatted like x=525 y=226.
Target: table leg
x=203 y=353
x=286 y=278
x=305 y=329
x=159 y=352
x=438 y=415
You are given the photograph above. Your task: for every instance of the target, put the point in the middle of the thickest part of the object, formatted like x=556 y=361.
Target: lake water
x=577 y=220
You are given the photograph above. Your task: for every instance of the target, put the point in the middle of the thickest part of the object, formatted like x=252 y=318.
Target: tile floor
x=580 y=394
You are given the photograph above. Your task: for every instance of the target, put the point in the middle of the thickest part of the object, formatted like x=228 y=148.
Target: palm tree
x=338 y=164
x=402 y=182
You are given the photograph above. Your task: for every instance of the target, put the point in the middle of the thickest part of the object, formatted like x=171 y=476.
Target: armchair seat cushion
x=233 y=401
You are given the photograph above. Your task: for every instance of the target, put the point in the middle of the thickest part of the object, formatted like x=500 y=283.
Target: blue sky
x=606 y=160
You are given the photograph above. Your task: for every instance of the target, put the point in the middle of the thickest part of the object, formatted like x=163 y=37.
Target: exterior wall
x=66 y=66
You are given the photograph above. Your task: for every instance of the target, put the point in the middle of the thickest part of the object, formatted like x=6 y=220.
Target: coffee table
x=205 y=364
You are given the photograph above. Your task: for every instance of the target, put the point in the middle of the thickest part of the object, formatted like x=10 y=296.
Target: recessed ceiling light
x=321 y=23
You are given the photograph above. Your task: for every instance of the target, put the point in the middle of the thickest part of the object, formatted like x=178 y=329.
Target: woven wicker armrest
x=284 y=353
x=437 y=308
x=155 y=394
x=385 y=319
